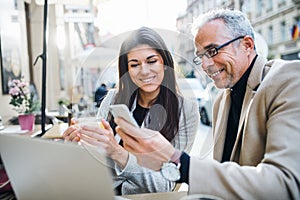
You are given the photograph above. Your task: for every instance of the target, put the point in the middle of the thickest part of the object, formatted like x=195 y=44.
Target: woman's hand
x=104 y=138
x=71 y=134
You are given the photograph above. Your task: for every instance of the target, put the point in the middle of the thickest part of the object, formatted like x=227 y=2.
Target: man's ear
x=248 y=42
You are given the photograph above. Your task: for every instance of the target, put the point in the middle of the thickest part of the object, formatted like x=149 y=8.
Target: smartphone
x=121 y=110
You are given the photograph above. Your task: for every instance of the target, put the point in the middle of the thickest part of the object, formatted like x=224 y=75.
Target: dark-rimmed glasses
x=209 y=53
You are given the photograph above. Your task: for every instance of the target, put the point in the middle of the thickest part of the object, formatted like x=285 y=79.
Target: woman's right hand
x=71 y=134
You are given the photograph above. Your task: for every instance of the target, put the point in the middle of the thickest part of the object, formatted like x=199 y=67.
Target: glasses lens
x=211 y=52
x=197 y=60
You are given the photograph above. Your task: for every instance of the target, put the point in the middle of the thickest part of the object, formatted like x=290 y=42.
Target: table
x=52 y=131
x=55 y=132
x=158 y=196
x=16 y=129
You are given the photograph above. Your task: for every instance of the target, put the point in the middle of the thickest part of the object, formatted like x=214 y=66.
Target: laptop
x=46 y=169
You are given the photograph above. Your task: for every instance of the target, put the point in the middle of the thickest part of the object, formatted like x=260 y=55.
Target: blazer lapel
x=221 y=125
x=253 y=82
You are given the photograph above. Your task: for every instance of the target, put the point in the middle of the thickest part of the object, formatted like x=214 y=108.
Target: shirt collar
x=240 y=87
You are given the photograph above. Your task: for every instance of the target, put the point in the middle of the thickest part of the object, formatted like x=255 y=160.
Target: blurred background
x=84 y=36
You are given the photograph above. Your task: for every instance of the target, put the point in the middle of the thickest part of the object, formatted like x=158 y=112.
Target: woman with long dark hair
x=147 y=85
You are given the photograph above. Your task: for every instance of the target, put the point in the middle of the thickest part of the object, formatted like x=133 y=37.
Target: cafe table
x=55 y=132
x=158 y=196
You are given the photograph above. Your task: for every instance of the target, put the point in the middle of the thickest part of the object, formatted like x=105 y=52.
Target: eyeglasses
x=209 y=53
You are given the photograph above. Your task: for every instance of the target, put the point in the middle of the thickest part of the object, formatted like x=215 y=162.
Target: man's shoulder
x=280 y=62
x=281 y=74
x=283 y=66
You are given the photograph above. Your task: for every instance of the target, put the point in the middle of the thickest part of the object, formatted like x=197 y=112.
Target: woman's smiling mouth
x=147 y=80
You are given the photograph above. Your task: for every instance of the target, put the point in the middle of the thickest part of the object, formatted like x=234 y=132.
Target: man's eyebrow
x=206 y=47
x=210 y=46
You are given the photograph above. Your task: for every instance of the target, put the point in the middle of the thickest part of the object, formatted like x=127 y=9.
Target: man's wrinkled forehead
x=202 y=41
x=210 y=35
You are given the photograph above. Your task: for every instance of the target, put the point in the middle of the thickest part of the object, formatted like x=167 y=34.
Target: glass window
x=270 y=5
x=283 y=31
x=259 y=6
x=270 y=35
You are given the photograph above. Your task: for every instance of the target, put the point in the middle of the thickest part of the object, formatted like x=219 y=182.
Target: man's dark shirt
x=237 y=97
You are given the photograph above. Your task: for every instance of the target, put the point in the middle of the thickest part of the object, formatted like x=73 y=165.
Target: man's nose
x=206 y=63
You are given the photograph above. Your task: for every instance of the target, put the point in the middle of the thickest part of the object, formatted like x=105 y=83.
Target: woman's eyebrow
x=133 y=60
x=151 y=56
x=136 y=60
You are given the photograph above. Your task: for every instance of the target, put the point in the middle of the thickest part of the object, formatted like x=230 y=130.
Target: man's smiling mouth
x=216 y=73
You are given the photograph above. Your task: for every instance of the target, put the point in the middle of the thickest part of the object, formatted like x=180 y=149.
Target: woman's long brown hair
x=165 y=120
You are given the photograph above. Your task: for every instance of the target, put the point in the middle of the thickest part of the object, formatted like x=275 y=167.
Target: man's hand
x=150 y=147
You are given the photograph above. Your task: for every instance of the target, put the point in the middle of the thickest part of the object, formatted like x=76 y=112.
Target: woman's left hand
x=150 y=147
x=104 y=138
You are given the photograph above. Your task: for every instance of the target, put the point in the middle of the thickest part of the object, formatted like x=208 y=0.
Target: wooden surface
x=157 y=196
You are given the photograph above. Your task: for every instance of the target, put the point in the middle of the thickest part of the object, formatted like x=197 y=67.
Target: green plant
x=63 y=101
x=22 y=98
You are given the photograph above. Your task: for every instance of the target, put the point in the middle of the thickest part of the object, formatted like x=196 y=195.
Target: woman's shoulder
x=107 y=101
x=110 y=95
x=189 y=106
x=112 y=91
x=188 y=102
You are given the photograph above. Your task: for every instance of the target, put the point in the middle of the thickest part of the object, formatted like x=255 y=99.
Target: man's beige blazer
x=266 y=155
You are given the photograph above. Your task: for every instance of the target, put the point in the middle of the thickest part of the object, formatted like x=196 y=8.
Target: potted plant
x=24 y=103
x=62 y=102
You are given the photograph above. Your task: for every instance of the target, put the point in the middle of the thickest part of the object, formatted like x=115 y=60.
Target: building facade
x=277 y=21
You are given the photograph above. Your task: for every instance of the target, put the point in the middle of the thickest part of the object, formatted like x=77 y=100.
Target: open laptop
x=45 y=169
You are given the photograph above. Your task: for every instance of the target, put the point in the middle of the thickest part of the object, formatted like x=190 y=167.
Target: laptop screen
x=44 y=169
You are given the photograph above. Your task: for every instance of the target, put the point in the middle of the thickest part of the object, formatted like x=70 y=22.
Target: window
x=270 y=35
x=270 y=5
x=281 y=3
x=259 y=6
x=283 y=31
x=259 y=31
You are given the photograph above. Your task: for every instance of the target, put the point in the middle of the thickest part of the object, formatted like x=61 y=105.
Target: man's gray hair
x=236 y=22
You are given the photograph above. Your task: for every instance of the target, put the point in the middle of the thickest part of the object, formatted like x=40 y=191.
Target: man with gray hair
x=255 y=124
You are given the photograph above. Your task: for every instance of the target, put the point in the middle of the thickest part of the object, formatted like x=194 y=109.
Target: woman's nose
x=144 y=68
